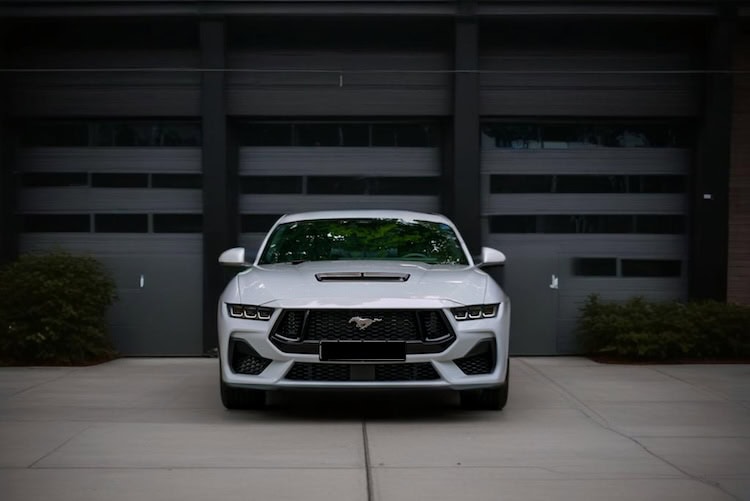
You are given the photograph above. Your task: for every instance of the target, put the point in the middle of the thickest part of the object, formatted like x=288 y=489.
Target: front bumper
x=458 y=367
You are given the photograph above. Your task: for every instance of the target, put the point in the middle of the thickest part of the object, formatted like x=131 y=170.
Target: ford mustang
x=363 y=299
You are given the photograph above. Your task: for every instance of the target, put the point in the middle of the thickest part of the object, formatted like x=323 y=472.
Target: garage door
x=127 y=192
x=582 y=208
x=297 y=166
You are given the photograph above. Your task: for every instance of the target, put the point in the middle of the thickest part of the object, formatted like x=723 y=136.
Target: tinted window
x=121 y=223
x=40 y=179
x=258 y=223
x=586 y=184
x=181 y=181
x=265 y=134
x=595 y=266
x=271 y=184
x=178 y=223
x=404 y=135
x=64 y=223
x=651 y=268
x=119 y=180
x=56 y=133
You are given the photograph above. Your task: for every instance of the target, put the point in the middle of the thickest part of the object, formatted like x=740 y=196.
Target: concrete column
x=220 y=220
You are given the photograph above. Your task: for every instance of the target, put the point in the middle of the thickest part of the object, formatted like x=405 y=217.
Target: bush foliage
x=643 y=330
x=53 y=309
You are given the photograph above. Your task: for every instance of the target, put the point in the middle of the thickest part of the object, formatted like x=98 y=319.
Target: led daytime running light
x=475 y=312
x=249 y=312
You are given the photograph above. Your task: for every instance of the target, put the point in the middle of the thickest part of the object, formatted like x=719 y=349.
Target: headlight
x=475 y=312
x=249 y=312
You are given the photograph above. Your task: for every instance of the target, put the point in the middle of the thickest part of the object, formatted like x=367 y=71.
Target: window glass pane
x=594 y=266
x=355 y=135
x=405 y=135
x=178 y=223
x=271 y=184
x=338 y=185
x=513 y=224
x=265 y=134
x=54 y=134
x=52 y=223
x=121 y=223
x=660 y=224
x=405 y=186
x=521 y=184
x=515 y=136
x=179 y=134
x=319 y=135
x=658 y=184
x=39 y=179
x=258 y=223
x=181 y=181
x=651 y=268
x=119 y=180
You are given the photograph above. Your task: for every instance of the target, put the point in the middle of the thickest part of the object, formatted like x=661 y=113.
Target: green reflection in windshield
x=363 y=239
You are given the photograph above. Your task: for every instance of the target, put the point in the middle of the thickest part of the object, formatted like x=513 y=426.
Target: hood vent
x=362 y=276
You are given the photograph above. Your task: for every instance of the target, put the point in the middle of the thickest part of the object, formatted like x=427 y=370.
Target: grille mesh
x=246 y=360
x=302 y=371
x=338 y=324
x=386 y=325
x=251 y=365
x=476 y=364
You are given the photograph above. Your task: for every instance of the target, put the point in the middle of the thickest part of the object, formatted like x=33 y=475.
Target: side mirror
x=233 y=257
x=491 y=257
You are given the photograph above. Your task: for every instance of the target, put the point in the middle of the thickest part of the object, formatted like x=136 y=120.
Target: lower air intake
x=302 y=371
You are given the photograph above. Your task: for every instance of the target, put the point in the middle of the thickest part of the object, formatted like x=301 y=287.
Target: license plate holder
x=357 y=351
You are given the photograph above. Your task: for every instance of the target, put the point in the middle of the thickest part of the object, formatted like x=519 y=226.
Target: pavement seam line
x=368 y=470
x=702 y=389
x=52 y=380
x=66 y=442
x=602 y=422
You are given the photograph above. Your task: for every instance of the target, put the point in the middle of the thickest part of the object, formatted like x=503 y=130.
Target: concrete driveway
x=154 y=429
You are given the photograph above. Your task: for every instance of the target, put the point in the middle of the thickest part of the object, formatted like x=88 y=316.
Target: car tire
x=242 y=398
x=487 y=398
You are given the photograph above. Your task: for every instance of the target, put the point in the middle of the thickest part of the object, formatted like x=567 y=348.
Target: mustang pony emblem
x=363 y=323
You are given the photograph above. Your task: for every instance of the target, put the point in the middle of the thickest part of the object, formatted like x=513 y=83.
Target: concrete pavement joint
x=702 y=389
x=66 y=442
x=47 y=381
x=602 y=422
x=368 y=470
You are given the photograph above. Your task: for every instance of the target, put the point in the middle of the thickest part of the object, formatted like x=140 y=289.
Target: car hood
x=370 y=284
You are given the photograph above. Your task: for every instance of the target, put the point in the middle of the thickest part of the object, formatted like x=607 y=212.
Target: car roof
x=365 y=214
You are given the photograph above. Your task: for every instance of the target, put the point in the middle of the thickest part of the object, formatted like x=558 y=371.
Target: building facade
x=603 y=146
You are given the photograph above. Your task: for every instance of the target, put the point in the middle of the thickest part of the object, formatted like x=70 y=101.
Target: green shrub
x=53 y=308
x=643 y=330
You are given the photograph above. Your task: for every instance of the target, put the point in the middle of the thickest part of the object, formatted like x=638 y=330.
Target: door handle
x=555 y=283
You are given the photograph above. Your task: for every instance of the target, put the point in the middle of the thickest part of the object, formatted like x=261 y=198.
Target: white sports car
x=363 y=299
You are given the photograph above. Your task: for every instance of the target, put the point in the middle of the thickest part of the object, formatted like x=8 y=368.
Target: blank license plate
x=362 y=350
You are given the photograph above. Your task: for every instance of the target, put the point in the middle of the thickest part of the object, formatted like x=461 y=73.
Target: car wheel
x=242 y=398
x=487 y=398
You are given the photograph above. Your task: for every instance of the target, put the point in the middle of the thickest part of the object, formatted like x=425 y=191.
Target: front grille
x=303 y=371
x=361 y=325
x=245 y=360
x=339 y=325
x=480 y=360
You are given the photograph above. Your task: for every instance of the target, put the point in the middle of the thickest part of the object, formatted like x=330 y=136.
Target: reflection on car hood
x=370 y=284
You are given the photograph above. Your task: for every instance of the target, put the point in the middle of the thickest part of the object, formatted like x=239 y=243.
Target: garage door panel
x=121 y=200
x=570 y=203
x=321 y=160
x=590 y=102
x=274 y=204
x=586 y=161
x=110 y=159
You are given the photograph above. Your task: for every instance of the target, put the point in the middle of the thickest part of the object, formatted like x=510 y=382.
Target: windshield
x=363 y=239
